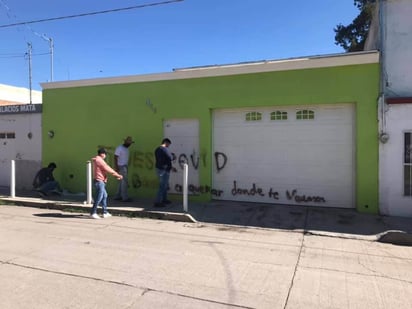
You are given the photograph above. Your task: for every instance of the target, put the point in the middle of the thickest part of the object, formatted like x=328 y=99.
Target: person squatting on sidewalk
x=45 y=183
x=121 y=162
x=100 y=171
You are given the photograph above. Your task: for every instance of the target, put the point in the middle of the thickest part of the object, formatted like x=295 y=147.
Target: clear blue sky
x=160 y=38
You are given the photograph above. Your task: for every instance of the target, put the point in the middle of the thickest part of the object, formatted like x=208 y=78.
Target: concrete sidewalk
x=333 y=222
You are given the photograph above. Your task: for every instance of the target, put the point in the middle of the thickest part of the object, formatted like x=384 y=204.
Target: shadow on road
x=62 y=216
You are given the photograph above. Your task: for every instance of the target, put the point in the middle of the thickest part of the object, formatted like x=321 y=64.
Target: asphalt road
x=51 y=259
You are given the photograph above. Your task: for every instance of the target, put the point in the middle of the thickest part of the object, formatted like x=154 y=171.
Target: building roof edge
x=311 y=62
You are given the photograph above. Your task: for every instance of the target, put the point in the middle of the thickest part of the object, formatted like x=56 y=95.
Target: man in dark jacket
x=163 y=167
x=44 y=181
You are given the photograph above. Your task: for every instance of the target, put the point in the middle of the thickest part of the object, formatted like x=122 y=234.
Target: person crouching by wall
x=44 y=182
x=100 y=171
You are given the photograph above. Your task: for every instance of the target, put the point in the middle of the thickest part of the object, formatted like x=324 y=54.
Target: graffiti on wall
x=192 y=159
x=253 y=190
x=193 y=189
x=150 y=105
x=220 y=160
x=145 y=160
x=143 y=182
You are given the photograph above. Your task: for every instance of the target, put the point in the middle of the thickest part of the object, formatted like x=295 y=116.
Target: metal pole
x=30 y=77
x=51 y=58
x=13 y=180
x=89 y=182
x=185 y=186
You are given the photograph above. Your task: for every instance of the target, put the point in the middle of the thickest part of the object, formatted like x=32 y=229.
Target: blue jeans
x=123 y=184
x=163 y=185
x=101 y=197
x=49 y=187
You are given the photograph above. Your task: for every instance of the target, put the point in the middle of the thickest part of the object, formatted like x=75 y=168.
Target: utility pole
x=51 y=49
x=51 y=58
x=30 y=77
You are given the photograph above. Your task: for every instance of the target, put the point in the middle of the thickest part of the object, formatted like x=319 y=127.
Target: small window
x=278 y=115
x=305 y=114
x=4 y=135
x=253 y=116
x=407 y=164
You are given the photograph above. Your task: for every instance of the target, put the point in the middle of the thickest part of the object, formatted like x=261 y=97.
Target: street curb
x=395 y=237
x=67 y=206
x=341 y=235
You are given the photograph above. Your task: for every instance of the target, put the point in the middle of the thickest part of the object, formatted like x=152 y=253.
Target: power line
x=20 y=55
x=11 y=16
x=11 y=56
x=43 y=36
x=90 y=13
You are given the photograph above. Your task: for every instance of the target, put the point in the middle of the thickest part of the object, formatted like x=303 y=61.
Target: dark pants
x=163 y=185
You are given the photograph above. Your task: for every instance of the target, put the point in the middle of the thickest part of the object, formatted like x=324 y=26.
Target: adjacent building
x=20 y=134
x=391 y=33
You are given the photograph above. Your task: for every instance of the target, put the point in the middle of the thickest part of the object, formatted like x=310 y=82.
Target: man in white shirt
x=121 y=162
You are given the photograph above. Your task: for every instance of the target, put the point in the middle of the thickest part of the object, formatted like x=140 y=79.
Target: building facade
x=20 y=134
x=295 y=131
x=392 y=35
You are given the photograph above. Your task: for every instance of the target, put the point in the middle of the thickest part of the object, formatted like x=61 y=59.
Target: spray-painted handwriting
x=242 y=191
x=304 y=198
x=199 y=190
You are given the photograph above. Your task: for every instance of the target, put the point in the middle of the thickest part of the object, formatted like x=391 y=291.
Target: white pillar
x=185 y=186
x=89 y=182
x=13 y=179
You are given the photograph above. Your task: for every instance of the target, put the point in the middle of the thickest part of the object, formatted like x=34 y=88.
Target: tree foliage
x=353 y=36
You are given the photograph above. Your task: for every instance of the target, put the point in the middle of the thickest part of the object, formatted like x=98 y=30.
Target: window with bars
x=305 y=114
x=253 y=116
x=407 y=164
x=278 y=115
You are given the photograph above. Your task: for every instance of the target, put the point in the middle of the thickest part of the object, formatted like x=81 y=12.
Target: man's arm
x=111 y=171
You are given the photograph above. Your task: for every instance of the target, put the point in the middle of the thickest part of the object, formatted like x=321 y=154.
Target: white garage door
x=300 y=155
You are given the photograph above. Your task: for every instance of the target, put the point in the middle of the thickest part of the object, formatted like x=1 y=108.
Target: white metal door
x=184 y=135
x=7 y=153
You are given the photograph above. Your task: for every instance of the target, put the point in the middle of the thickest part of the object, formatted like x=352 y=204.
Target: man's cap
x=129 y=140
x=101 y=150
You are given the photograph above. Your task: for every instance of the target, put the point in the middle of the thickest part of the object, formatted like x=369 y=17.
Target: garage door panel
x=314 y=157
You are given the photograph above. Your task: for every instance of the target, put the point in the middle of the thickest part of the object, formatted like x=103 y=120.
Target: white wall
x=396 y=36
x=397 y=40
x=26 y=151
x=392 y=200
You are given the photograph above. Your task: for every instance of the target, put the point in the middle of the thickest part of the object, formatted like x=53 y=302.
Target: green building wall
x=85 y=118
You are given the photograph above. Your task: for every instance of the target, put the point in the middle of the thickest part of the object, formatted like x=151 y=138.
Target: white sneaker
x=107 y=215
x=95 y=216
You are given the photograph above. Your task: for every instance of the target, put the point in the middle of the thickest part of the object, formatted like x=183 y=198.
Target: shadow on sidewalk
x=309 y=219
x=306 y=218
